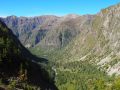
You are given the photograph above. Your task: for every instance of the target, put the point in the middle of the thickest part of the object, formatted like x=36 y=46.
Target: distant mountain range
x=47 y=31
x=30 y=30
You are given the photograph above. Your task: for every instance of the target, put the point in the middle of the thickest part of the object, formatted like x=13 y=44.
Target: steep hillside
x=98 y=42
x=19 y=69
x=101 y=44
x=95 y=50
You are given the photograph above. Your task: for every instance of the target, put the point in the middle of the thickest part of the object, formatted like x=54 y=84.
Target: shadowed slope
x=18 y=63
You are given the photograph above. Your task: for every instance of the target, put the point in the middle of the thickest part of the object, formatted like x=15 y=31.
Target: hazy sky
x=52 y=7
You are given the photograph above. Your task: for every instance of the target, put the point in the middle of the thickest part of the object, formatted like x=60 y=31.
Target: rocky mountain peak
x=70 y=16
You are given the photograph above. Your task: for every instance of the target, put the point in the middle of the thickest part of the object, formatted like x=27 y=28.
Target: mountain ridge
x=49 y=24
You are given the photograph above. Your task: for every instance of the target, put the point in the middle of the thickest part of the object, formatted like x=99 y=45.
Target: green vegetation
x=81 y=76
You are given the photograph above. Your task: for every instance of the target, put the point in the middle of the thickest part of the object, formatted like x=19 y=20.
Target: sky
x=52 y=7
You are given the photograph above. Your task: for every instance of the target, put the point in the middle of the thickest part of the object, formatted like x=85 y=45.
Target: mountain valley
x=79 y=52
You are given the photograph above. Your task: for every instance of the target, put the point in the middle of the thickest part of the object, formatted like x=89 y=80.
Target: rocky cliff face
x=25 y=28
x=65 y=30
